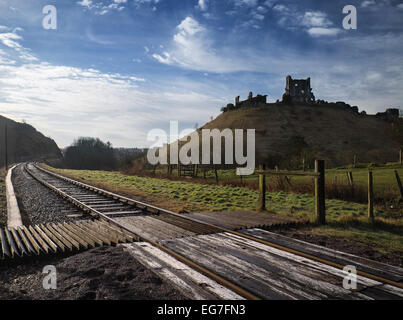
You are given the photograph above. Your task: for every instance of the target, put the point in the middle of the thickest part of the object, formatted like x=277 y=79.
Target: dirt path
x=105 y=273
x=361 y=249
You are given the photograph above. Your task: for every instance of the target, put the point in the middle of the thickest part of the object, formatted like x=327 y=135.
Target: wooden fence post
x=370 y=196
x=355 y=160
x=320 y=208
x=350 y=178
x=262 y=190
x=400 y=157
x=399 y=184
x=216 y=174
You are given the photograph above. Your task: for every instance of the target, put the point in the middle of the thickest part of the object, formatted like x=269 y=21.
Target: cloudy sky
x=115 y=69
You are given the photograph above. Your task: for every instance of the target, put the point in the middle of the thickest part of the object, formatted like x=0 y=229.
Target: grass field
x=346 y=220
x=386 y=189
x=384 y=177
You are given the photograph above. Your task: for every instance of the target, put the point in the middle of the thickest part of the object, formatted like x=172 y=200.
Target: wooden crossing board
x=235 y=220
x=272 y=273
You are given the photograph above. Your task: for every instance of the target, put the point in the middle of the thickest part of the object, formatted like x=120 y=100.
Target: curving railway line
x=106 y=218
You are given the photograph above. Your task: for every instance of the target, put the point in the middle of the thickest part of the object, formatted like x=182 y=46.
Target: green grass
x=381 y=240
x=217 y=197
x=383 y=176
x=346 y=220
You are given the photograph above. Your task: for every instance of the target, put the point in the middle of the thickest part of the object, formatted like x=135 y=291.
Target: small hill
x=287 y=133
x=25 y=143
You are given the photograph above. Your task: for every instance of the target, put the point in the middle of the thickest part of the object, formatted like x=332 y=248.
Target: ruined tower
x=299 y=90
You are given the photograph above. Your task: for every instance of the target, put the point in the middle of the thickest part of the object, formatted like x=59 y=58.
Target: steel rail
x=221 y=229
x=226 y=283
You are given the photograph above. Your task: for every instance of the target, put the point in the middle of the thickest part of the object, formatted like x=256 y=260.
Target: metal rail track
x=201 y=226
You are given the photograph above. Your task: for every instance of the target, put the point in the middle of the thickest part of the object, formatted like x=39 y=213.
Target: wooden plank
x=190 y=282
x=39 y=240
x=58 y=230
x=317 y=275
x=12 y=245
x=383 y=270
x=123 y=234
x=208 y=284
x=33 y=242
x=101 y=237
x=4 y=244
x=269 y=288
x=60 y=245
x=309 y=282
x=19 y=242
x=51 y=244
x=109 y=237
x=76 y=237
x=27 y=243
x=154 y=229
x=134 y=212
x=105 y=227
x=87 y=234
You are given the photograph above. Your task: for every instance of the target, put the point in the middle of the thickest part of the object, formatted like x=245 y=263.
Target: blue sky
x=116 y=69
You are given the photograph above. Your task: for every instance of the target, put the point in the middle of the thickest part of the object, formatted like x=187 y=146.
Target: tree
x=90 y=154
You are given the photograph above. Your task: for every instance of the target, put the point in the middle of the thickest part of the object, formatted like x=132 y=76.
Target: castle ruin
x=298 y=90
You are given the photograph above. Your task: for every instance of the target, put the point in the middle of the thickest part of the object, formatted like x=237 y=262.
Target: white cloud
x=203 y=5
x=367 y=3
x=317 y=31
x=61 y=100
x=85 y=3
x=249 y=3
x=11 y=40
x=400 y=6
x=192 y=48
x=315 y=23
x=316 y=19
x=189 y=26
x=102 y=8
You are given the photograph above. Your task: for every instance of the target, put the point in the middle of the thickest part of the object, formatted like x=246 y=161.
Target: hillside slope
x=25 y=143
x=286 y=133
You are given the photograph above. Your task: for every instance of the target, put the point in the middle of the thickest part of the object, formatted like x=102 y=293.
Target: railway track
x=99 y=206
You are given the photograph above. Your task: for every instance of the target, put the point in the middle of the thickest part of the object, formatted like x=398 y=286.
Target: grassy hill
x=286 y=133
x=25 y=143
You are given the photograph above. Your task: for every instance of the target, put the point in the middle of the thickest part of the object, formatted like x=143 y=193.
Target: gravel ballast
x=37 y=203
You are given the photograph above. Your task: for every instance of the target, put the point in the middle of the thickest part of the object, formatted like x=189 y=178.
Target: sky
x=115 y=69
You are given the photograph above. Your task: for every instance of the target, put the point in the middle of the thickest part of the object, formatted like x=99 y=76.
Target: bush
x=90 y=154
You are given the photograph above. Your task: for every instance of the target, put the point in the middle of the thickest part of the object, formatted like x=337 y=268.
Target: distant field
x=384 y=176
